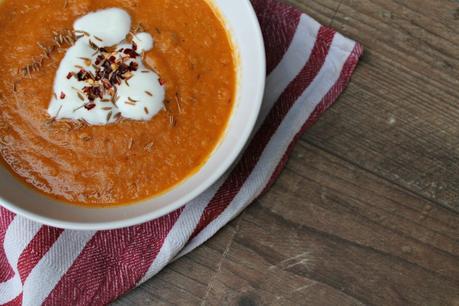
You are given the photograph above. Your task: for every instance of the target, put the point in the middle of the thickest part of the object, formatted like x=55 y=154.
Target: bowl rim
x=226 y=164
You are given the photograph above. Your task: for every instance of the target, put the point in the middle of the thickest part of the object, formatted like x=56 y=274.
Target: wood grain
x=366 y=212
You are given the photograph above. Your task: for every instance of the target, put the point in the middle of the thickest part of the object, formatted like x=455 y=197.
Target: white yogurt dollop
x=85 y=87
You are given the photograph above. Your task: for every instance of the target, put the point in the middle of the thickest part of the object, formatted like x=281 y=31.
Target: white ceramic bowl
x=243 y=25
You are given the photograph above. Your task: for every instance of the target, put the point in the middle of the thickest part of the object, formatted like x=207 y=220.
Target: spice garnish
x=129 y=103
x=78 y=108
x=148 y=93
x=107 y=108
x=139 y=28
x=80 y=96
x=62 y=96
x=171 y=120
x=93 y=45
x=132 y=100
x=89 y=105
x=131 y=141
x=109 y=73
x=146 y=110
x=145 y=71
x=14 y=86
x=178 y=101
x=109 y=115
x=86 y=60
x=117 y=116
x=82 y=32
x=58 y=111
x=98 y=38
x=148 y=147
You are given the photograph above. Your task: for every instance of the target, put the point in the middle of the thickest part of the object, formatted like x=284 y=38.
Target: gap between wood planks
x=378 y=175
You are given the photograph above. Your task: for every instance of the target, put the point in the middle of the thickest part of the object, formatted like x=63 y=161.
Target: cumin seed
x=82 y=32
x=148 y=147
x=172 y=121
x=58 y=112
x=80 y=96
x=93 y=45
x=109 y=115
x=78 y=108
x=148 y=93
x=178 y=101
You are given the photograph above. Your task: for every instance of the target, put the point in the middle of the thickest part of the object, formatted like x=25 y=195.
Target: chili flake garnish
x=89 y=105
x=62 y=96
x=109 y=72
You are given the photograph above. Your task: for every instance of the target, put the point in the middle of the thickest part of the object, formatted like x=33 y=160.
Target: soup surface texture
x=127 y=161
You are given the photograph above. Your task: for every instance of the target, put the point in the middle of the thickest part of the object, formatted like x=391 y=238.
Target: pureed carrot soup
x=109 y=102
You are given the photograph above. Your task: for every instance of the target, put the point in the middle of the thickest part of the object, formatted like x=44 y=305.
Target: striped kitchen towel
x=308 y=66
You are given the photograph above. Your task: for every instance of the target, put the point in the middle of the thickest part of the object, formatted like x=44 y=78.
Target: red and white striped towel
x=308 y=67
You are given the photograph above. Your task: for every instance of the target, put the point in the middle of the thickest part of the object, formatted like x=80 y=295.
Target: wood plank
x=330 y=233
x=184 y=282
x=403 y=97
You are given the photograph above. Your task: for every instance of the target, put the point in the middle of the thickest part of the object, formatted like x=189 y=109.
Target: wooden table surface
x=366 y=212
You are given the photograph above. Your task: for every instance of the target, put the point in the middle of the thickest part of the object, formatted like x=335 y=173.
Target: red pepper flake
x=89 y=106
x=161 y=82
x=130 y=52
x=133 y=66
x=62 y=96
x=69 y=75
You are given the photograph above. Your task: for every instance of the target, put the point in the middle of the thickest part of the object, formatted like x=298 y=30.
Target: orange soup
x=129 y=160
